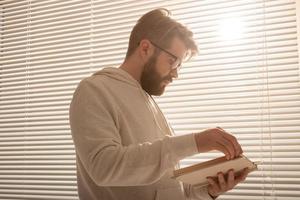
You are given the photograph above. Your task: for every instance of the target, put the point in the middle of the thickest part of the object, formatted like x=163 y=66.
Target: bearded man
x=125 y=148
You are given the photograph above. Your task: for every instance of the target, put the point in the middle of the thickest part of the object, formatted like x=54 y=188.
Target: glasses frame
x=177 y=62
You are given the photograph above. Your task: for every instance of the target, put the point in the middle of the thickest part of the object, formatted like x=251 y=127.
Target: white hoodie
x=124 y=147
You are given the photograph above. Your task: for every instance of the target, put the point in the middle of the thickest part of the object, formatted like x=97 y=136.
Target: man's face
x=157 y=72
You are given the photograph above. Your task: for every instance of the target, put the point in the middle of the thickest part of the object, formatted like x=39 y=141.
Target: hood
x=123 y=76
x=118 y=74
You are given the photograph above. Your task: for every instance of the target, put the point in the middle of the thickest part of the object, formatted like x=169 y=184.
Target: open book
x=196 y=174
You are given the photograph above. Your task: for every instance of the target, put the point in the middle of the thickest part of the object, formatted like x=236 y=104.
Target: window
x=246 y=81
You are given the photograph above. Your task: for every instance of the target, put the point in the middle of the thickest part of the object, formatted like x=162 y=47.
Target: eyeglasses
x=176 y=64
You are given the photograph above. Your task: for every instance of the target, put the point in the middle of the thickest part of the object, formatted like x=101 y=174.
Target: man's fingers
x=222 y=147
x=215 y=189
x=242 y=176
x=226 y=144
x=218 y=139
x=234 y=145
x=237 y=147
x=222 y=182
x=229 y=145
x=230 y=179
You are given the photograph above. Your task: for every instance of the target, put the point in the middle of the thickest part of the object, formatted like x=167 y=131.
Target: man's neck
x=132 y=68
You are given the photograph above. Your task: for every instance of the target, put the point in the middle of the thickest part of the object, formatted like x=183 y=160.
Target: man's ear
x=145 y=49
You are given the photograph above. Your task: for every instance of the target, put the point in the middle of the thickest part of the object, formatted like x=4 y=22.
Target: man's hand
x=221 y=184
x=218 y=139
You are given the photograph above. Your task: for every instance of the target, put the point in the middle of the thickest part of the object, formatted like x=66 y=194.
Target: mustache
x=167 y=78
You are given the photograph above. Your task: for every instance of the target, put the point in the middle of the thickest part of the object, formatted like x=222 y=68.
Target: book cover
x=196 y=174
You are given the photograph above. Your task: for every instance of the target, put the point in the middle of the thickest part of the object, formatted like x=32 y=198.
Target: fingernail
x=209 y=180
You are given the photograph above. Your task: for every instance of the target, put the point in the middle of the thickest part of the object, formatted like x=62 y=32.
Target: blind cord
x=266 y=68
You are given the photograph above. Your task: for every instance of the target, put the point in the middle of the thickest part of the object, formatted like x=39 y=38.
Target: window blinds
x=248 y=86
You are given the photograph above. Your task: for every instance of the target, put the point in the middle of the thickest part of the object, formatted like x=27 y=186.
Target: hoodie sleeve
x=196 y=192
x=98 y=144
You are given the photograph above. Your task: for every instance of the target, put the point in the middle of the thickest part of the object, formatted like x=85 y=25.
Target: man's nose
x=174 y=73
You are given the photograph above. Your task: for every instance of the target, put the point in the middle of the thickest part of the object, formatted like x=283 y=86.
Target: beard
x=151 y=79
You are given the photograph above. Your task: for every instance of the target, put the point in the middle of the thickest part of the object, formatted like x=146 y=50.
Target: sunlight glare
x=231 y=29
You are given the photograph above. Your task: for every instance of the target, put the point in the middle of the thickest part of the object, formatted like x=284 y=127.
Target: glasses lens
x=176 y=64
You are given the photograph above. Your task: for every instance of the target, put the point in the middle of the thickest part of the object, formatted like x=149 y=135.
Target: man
x=124 y=146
